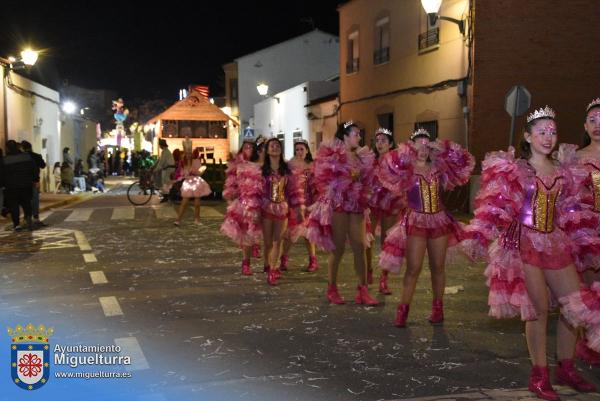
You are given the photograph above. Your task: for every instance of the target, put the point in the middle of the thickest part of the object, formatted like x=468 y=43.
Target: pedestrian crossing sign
x=249 y=132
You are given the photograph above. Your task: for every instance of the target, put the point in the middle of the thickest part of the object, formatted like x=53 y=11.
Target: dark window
x=386 y=120
x=194 y=129
x=281 y=138
x=382 y=41
x=233 y=92
x=353 y=53
x=430 y=126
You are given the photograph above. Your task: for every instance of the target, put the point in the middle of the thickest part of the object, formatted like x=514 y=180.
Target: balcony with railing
x=429 y=40
x=381 y=55
x=352 y=66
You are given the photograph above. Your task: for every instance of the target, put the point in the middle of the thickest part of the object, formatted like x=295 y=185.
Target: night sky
x=149 y=52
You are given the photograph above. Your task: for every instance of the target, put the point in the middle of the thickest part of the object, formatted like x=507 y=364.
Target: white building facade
x=285 y=115
x=313 y=56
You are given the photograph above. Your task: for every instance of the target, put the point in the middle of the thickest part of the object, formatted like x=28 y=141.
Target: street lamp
x=28 y=58
x=262 y=88
x=69 y=107
x=432 y=8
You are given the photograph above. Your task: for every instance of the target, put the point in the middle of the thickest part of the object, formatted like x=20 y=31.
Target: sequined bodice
x=276 y=186
x=594 y=184
x=424 y=194
x=539 y=207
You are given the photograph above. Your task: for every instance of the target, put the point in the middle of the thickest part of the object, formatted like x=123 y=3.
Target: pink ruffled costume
x=383 y=202
x=193 y=185
x=343 y=184
x=301 y=195
x=522 y=218
x=590 y=196
x=425 y=215
x=242 y=219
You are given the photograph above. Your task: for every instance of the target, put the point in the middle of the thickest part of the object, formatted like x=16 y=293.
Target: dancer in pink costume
x=421 y=168
x=385 y=206
x=274 y=202
x=299 y=201
x=193 y=186
x=343 y=179
x=588 y=264
x=529 y=222
x=238 y=224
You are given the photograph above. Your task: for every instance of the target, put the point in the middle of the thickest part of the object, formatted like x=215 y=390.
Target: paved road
x=106 y=273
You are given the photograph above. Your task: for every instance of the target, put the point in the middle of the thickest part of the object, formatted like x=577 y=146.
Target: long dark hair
x=586 y=137
x=266 y=167
x=524 y=146
x=344 y=130
x=308 y=158
x=390 y=139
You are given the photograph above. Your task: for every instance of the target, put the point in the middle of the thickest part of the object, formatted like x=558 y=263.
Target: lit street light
x=69 y=107
x=432 y=8
x=262 y=89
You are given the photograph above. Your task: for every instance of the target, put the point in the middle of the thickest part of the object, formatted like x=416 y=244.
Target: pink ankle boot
x=312 y=264
x=246 y=269
x=437 y=312
x=566 y=374
x=539 y=384
x=333 y=296
x=401 y=315
x=283 y=266
x=383 y=284
x=363 y=297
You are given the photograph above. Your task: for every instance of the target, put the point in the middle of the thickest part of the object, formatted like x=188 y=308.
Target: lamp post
x=27 y=59
x=432 y=8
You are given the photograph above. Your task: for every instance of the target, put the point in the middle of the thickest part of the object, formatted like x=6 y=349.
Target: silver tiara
x=546 y=112
x=595 y=102
x=348 y=123
x=301 y=140
x=385 y=131
x=420 y=131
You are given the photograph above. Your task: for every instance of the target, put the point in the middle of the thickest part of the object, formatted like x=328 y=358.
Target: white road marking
x=80 y=215
x=83 y=243
x=110 y=306
x=123 y=213
x=98 y=277
x=89 y=258
x=131 y=347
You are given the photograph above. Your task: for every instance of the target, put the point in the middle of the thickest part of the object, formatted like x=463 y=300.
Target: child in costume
x=344 y=180
x=529 y=222
x=421 y=169
x=299 y=201
x=385 y=206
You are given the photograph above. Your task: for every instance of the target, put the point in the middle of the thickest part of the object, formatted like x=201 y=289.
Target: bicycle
x=140 y=192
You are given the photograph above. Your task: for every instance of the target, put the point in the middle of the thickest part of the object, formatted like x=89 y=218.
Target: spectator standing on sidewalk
x=35 y=200
x=18 y=175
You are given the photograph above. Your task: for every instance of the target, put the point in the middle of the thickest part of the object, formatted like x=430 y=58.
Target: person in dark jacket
x=18 y=175
x=35 y=200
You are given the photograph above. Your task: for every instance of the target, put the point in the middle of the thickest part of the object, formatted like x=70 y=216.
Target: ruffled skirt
x=241 y=225
x=427 y=225
x=296 y=227
x=195 y=187
x=274 y=210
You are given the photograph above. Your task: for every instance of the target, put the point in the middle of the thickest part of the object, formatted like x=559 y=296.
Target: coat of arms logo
x=30 y=355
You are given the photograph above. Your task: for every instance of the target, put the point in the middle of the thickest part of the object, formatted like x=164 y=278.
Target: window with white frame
x=381 y=54
x=353 y=53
